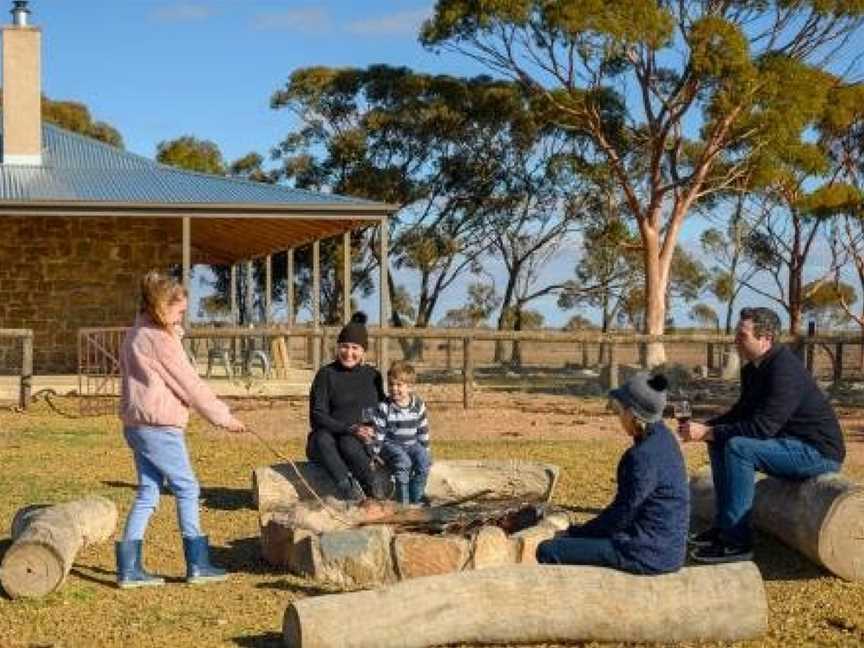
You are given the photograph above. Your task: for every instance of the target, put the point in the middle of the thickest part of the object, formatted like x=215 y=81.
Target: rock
x=356 y=556
x=424 y=555
x=558 y=521
x=279 y=542
x=528 y=539
x=492 y=548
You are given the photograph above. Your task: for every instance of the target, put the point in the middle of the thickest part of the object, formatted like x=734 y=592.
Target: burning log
x=46 y=541
x=538 y=605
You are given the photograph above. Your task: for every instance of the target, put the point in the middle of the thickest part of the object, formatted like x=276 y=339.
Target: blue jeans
x=160 y=456
x=733 y=468
x=406 y=461
x=578 y=551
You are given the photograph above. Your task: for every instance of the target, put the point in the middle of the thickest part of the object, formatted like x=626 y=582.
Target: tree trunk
x=655 y=297
x=820 y=517
x=543 y=604
x=46 y=540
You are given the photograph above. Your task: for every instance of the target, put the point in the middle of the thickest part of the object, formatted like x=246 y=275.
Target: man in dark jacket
x=781 y=425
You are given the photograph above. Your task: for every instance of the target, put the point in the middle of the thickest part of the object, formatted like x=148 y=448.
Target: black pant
x=340 y=455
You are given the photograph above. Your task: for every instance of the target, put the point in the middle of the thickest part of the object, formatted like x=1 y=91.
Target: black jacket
x=338 y=396
x=779 y=398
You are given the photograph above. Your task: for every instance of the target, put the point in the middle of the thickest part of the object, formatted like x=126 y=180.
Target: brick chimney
x=22 y=89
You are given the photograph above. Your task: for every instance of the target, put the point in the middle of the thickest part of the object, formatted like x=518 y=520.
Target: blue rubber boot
x=130 y=570
x=198 y=567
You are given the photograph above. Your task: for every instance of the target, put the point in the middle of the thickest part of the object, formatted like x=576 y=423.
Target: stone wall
x=61 y=274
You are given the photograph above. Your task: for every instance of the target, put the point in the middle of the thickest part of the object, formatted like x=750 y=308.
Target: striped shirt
x=403 y=425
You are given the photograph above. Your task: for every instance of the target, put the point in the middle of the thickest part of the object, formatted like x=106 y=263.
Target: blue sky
x=159 y=69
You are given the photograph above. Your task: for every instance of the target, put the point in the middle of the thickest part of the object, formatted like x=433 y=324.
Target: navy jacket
x=780 y=399
x=648 y=520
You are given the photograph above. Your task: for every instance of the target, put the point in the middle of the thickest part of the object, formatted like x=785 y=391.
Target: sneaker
x=721 y=552
x=704 y=538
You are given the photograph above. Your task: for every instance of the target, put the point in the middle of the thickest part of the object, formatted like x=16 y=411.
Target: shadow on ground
x=217 y=498
x=266 y=640
x=241 y=556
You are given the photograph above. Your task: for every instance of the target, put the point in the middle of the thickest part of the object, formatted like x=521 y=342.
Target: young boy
x=402 y=434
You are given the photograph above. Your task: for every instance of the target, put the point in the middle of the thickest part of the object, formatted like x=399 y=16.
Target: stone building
x=82 y=220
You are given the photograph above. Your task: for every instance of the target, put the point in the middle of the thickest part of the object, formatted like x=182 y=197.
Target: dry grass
x=48 y=458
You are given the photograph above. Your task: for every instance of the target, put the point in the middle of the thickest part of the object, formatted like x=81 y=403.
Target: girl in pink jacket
x=159 y=385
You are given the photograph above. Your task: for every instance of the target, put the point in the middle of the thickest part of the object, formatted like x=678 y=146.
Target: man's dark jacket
x=778 y=399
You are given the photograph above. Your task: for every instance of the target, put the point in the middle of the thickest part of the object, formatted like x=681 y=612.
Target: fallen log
x=278 y=487
x=544 y=604
x=46 y=540
x=823 y=517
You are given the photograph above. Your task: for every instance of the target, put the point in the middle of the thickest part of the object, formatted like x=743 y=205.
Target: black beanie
x=355 y=331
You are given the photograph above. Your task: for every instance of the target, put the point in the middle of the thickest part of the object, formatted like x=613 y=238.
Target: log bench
x=277 y=486
x=823 y=517
x=46 y=540
x=538 y=605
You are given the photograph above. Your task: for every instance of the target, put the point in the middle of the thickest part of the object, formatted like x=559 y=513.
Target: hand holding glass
x=683 y=413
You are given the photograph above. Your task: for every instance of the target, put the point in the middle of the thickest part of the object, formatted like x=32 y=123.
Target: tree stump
x=46 y=540
x=544 y=604
x=823 y=517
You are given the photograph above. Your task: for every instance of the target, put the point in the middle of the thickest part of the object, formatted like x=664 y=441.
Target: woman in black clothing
x=341 y=390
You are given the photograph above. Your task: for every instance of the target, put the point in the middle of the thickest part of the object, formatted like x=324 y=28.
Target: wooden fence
x=25 y=336
x=325 y=336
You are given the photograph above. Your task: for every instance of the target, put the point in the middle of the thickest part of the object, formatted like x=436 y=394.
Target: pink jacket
x=159 y=385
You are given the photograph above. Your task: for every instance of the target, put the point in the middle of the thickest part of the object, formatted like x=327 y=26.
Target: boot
x=198 y=567
x=130 y=571
x=350 y=490
x=402 y=493
x=416 y=488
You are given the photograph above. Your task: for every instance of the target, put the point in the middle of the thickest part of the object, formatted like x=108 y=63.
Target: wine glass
x=367 y=418
x=683 y=411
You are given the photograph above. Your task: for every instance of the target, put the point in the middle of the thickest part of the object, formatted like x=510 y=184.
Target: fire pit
x=482 y=514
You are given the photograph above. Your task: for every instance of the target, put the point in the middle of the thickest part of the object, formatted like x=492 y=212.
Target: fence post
x=838 y=362
x=325 y=342
x=467 y=374
x=26 y=371
x=810 y=350
x=709 y=351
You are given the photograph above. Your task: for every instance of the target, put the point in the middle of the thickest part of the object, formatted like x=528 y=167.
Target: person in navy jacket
x=644 y=529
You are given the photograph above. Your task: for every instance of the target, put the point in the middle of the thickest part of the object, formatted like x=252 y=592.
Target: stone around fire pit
x=378 y=542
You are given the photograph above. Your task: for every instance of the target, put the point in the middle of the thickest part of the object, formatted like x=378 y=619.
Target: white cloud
x=402 y=23
x=183 y=12
x=306 y=19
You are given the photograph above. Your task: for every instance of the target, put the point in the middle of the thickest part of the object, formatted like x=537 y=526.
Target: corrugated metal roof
x=77 y=168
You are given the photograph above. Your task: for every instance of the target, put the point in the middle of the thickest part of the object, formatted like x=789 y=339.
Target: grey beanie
x=644 y=395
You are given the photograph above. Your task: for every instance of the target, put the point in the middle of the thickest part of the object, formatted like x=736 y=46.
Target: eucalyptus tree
x=436 y=146
x=76 y=117
x=680 y=99
x=191 y=153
